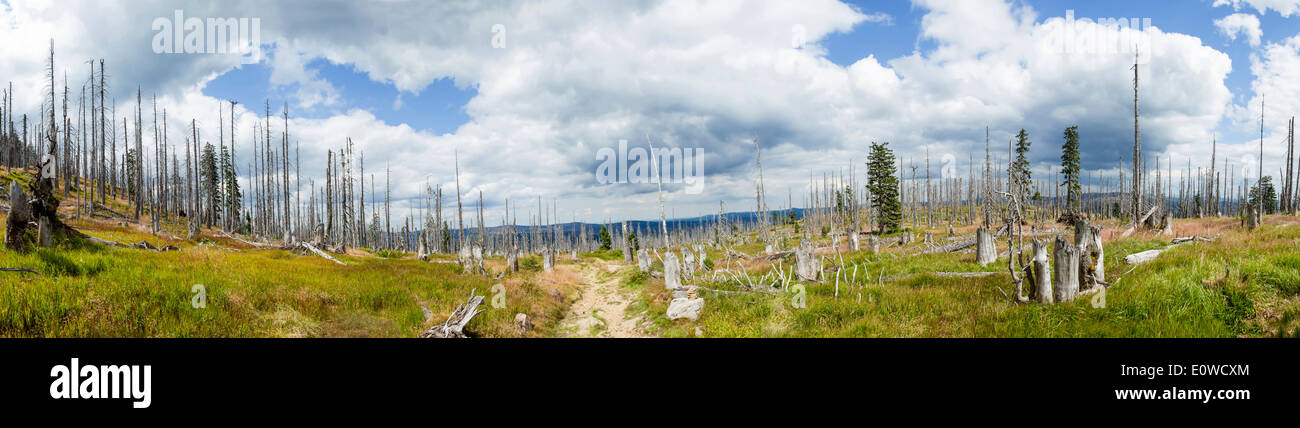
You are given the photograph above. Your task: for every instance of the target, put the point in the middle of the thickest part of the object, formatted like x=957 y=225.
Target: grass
x=90 y=290
x=1241 y=285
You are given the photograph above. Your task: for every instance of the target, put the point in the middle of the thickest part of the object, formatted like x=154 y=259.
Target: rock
x=523 y=323
x=685 y=308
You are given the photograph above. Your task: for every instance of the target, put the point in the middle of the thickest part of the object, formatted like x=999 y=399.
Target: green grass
x=1184 y=293
x=88 y=290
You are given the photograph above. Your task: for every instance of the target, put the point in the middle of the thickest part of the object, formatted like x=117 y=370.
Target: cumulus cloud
x=575 y=77
x=1242 y=24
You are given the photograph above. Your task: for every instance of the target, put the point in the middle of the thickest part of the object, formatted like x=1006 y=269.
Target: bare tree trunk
x=1042 y=273
x=986 y=251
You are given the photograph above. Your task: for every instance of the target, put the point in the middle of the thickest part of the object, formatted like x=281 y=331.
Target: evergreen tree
x=1020 y=168
x=605 y=242
x=882 y=185
x=231 y=193
x=208 y=179
x=633 y=242
x=1270 y=195
x=1070 y=167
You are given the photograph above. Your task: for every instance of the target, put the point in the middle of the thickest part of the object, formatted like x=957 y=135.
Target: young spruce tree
x=1070 y=167
x=882 y=184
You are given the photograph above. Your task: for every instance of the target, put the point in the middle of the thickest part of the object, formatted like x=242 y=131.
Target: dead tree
x=986 y=250
x=1066 y=258
x=1041 y=274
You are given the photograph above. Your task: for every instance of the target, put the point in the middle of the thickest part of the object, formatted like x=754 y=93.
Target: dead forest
x=85 y=153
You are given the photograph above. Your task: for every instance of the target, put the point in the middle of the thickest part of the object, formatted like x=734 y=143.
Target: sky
x=528 y=94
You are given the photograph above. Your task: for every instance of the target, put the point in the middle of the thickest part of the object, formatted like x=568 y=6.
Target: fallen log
x=1149 y=255
x=454 y=327
x=318 y=252
x=9 y=269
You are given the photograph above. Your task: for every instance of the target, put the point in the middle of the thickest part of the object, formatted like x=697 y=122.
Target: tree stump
x=1252 y=221
x=1092 y=256
x=548 y=259
x=874 y=243
x=672 y=271
x=1066 y=257
x=643 y=260
x=19 y=214
x=43 y=231
x=1041 y=284
x=905 y=238
x=986 y=251
x=854 y=241
x=688 y=262
x=807 y=266
x=512 y=261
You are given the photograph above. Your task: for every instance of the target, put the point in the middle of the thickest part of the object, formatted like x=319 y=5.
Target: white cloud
x=578 y=76
x=1284 y=7
x=1240 y=24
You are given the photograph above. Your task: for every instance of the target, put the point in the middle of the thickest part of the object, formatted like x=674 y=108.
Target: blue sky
x=438 y=108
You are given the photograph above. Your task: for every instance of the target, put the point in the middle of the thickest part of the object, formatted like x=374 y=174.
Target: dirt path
x=601 y=311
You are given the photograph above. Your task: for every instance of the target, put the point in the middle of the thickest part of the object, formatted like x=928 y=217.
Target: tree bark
x=1066 y=257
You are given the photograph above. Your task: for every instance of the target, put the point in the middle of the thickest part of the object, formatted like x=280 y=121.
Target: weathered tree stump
x=1092 y=256
x=854 y=241
x=643 y=260
x=874 y=243
x=906 y=238
x=807 y=266
x=19 y=215
x=688 y=262
x=672 y=271
x=1252 y=219
x=1041 y=280
x=986 y=251
x=43 y=232
x=548 y=259
x=1066 y=257
x=512 y=261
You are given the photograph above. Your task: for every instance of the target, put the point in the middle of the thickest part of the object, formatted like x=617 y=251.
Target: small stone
x=523 y=323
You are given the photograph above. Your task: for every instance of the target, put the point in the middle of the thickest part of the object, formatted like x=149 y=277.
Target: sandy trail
x=601 y=311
